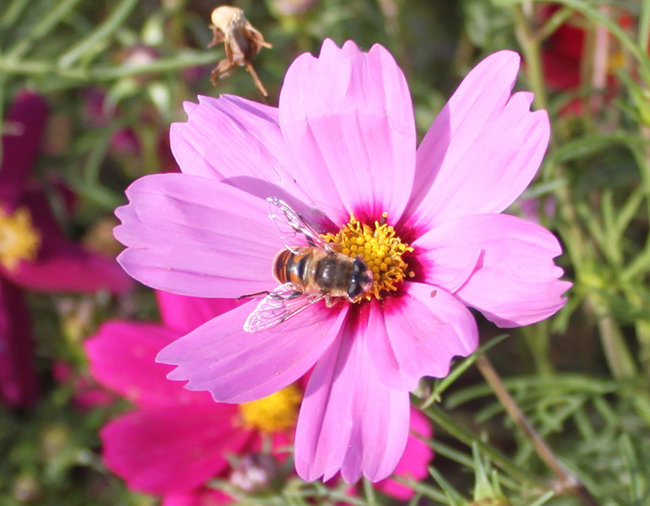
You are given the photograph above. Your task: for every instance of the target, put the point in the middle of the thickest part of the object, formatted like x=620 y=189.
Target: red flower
x=34 y=252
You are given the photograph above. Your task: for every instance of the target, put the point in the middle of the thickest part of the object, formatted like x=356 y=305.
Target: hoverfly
x=307 y=274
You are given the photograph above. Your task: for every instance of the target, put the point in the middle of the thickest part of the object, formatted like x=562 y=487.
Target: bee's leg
x=328 y=300
x=251 y=295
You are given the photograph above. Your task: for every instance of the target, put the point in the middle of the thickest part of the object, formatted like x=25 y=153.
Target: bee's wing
x=278 y=306
x=290 y=224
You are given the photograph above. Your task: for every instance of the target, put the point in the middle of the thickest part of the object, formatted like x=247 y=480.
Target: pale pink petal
x=347 y=119
x=184 y=314
x=413 y=464
x=122 y=358
x=237 y=366
x=200 y=497
x=349 y=420
x=233 y=139
x=195 y=236
x=514 y=282
x=483 y=149
x=418 y=334
x=172 y=449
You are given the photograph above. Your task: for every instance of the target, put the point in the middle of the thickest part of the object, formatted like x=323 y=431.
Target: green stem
x=40 y=68
x=42 y=28
x=530 y=46
x=103 y=31
x=644 y=24
x=441 y=418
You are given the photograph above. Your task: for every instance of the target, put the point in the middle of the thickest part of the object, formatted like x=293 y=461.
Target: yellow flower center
x=19 y=240
x=380 y=249
x=274 y=413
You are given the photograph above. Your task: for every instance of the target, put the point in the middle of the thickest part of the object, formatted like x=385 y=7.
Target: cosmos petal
x=233 y=139
x=62 y=265
x=413 y=464
x=167 y=449
x=122 y=358
x=26 y=121
x=348 y=122
x=237 y=366
x=418 y=334
x=194 y=236
x=184 y=314
x=349 y=420
x=515 y=281
x=483 y=149
x=18 y=381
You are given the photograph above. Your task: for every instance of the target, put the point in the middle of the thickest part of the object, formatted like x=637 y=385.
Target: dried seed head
x=242 y=42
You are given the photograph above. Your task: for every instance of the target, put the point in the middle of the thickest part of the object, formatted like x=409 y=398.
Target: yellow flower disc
x=274 y=413
x=380 y=249
x=19 y=240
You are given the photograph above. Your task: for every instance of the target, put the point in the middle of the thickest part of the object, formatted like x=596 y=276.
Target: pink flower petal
x=418 y=334
x=414 y=462
x=122 y=358
x=184 y=314
x=234 y=139
x=18 y=381
x=514 y=282
x=63 y=265
x=200 y=497
x=348 y=121
x=482 y=150
x=26 y=122
x=349 y=420
x=194 y=236
x=237 y=366
x=168 y=449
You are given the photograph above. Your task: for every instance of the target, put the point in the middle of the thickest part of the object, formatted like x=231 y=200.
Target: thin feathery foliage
x=567 y=419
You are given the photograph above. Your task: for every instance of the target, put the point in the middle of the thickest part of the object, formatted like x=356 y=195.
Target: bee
x=307 y=274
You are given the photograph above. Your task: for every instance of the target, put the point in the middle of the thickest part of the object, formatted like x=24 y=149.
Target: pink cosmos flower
x=343 y=141
x=34 y=252
x=176 y=440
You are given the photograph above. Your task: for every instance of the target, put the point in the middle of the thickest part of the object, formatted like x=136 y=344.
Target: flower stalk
x=565 y=482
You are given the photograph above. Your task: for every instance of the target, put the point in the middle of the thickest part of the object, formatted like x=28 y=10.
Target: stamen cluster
x=380 y=249
x=19 y=240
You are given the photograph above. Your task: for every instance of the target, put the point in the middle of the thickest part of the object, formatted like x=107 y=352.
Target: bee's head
x=361 y=280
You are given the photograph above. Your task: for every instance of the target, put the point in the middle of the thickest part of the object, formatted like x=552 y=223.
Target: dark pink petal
x=418 y=334
x=347 y=119
x=18 y=382
x=71 y=269
x=414 y=462
x=350 y=421
x=200 y=497
x=122 y=358
x=184 y=314
x=514 y=282
x=26 y=122
x=63 y=265
x=483 y=149
x=195 y=236
x=172 y=449
x=237 y=366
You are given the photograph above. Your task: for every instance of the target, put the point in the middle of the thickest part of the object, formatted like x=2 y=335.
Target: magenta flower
x=343 y=141
x=176 y=440
x=34 y=253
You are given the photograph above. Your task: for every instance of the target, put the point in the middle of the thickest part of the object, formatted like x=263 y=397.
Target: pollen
x=19 y=240
x=380 y=249
x=274 y=413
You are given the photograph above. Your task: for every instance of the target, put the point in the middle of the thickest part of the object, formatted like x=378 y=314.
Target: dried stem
x=566 y=482
x=258 y=82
